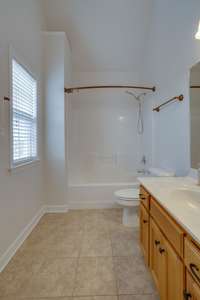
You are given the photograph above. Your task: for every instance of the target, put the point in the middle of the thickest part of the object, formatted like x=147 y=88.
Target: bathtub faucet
x=143 y=171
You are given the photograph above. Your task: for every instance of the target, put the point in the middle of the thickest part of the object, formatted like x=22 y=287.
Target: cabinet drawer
x=192 y=259
x=144 y=197
x=172 y=231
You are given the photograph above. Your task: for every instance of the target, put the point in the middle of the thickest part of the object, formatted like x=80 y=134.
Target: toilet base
x=130 y=216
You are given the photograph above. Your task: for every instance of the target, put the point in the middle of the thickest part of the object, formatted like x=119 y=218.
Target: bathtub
x=95 y=195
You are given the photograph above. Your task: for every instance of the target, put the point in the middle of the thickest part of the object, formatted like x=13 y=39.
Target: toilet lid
x=128 y=194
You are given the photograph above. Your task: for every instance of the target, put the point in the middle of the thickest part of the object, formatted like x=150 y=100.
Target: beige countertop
x=180 y=196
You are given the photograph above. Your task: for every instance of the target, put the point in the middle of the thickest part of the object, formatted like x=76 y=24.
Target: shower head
x=140 y=125
x=131 y=93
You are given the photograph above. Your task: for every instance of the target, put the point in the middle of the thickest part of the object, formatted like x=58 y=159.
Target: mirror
x=195 y=115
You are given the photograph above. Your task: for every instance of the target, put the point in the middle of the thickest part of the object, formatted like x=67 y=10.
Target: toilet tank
x=158 y=172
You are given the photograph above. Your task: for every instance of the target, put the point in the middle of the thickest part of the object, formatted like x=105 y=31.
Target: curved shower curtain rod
x=72 y=89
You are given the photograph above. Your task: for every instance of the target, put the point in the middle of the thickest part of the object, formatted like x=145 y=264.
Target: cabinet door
x=144 y=232
x=155 y=258
x=173 y=275
x=166 y=266
x=193 y=290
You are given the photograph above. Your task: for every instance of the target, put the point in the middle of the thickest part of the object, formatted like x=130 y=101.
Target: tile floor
x=81 y=255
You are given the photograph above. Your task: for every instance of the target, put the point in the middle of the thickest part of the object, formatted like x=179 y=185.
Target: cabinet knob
x=157 y=242
x=161 y=250
x=145 y=221
x=187 y=295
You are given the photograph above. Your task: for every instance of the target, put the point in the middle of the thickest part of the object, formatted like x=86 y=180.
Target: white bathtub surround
x=103 y=143
x=180 y=196
x=96 y=195
x=104 y=150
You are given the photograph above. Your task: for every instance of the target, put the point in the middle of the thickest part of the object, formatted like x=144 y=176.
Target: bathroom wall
x=195 y=116
x=57 y=75
x=104 y=145
x=172 y=50
x=21 y=190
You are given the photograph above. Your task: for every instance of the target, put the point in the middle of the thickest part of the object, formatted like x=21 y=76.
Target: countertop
x=172 y=193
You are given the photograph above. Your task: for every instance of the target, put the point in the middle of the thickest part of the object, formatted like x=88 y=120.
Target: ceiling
x=105 y=35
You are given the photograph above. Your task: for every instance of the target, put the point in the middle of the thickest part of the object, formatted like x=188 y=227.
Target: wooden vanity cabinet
x=162 y=245
x=166 y=266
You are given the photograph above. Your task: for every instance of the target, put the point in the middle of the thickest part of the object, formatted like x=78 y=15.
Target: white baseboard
x=56 y=209
x=7 y=256
x=91 y=205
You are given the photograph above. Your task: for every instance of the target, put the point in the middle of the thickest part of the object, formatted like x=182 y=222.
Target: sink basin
x=187 y=197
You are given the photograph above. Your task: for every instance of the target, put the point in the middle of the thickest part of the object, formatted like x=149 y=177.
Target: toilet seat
x=128 y=197
x=128 y=194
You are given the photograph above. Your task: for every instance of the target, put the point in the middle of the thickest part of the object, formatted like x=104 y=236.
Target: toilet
x=129 y=198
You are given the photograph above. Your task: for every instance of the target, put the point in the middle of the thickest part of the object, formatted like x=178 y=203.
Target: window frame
x=21 y=62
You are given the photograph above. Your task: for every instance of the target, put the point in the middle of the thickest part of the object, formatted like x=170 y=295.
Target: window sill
x=24 y=165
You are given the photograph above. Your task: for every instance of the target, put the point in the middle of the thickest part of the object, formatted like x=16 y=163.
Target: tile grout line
x=114 y=271
x=77 y=265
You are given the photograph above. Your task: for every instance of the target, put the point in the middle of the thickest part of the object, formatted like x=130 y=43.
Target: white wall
x=21 y=191
x=57 y=71
x=172 y=50
x=104 y=145
x=106 y=35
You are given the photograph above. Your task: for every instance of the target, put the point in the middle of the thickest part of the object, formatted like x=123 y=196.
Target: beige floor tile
x=132 y=276
x=97 y=298
x=95 y=277
x=46 y=264
x=70 y=249
x=52 y=219
x=16 y=298
x=16 y=273
x=39 y=235
x=96 y=244
x=125 y=248
x=61 y=244
x=139 y=297
x=125 y=243
x=55 y=278
x=127 y=233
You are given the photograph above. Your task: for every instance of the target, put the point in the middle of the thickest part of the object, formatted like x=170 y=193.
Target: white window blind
x=24 y=115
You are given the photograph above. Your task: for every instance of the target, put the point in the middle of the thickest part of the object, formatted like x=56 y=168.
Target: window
x=23 y=115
